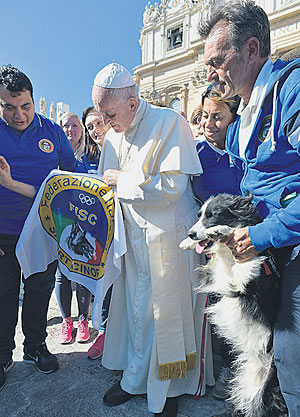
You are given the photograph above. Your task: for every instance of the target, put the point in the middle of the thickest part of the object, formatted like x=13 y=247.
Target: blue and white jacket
x=272 y=164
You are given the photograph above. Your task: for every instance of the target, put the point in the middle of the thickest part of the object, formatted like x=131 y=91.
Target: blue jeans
x=37 y=293
x=287 y=338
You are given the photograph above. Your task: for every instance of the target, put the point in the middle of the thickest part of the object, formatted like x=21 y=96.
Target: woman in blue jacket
x=87 y=150
x=95 y=132
x=219 y=176
x=219 y=173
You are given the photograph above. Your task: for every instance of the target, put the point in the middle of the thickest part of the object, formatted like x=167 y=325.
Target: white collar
x=259 y=87
x=217 y=150
x=202 y=139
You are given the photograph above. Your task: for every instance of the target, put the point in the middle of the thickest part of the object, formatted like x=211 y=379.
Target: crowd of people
x=242 y=137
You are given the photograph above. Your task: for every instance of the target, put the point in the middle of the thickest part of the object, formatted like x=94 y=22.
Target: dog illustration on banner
x=78 y=243
x=248 y=299
x=78 y=212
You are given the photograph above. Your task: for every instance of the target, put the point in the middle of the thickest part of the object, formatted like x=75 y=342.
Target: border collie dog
x=248 y=299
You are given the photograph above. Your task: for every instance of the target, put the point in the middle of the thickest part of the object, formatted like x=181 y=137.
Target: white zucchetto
x=113 y=76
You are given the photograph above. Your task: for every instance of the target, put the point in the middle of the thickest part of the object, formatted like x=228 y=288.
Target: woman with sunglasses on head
x=219 y=173
x=212 y=118
x=87 y=148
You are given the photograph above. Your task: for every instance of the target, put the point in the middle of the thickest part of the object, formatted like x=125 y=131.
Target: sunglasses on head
x=198 y=120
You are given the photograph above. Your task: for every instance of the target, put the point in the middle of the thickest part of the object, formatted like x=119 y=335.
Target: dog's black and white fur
x=247 y=306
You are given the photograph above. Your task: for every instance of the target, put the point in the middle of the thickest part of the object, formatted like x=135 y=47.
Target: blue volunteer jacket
x=272 y=165
x=219 y=175
x=87 y=165
x=43 y=146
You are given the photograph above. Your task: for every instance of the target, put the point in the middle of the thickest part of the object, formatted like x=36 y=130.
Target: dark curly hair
x=14 y=80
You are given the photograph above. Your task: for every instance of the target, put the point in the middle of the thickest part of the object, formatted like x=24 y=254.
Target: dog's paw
x=187 y=243
x=218 y=232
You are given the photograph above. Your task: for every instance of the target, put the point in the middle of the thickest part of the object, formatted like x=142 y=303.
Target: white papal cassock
x=154 y=330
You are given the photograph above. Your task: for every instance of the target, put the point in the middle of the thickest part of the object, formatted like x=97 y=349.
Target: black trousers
x=287 y=338
x=63 y=291
x=37 y=292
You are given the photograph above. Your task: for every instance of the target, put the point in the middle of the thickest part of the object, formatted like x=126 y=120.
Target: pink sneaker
x=83 y=333
x=65 y=335
x=96 y=350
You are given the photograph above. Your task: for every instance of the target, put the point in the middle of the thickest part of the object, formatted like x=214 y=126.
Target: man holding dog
x=152 y=332
x=31 y=146
x=264 y=141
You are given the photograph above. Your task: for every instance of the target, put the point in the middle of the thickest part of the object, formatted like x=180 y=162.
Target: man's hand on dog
x=240 y=245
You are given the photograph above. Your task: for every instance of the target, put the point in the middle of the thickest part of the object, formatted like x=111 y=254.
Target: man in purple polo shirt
x=30 y=147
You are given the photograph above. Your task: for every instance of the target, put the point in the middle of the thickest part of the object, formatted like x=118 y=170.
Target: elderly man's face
x=17 y=109
x=225 y=67
x=114 y=112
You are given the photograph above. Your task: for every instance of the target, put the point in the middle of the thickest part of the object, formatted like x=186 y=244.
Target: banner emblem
x=78 y=212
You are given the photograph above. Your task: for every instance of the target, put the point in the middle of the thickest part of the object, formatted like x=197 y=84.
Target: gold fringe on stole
x=174 y=370
x=191 y=360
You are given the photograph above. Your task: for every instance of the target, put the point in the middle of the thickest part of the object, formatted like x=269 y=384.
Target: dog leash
x=202 y=361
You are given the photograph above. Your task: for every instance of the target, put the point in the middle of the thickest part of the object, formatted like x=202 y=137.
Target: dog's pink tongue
x=200 y=246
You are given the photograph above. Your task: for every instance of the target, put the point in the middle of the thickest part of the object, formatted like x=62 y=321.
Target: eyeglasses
x=207 y=92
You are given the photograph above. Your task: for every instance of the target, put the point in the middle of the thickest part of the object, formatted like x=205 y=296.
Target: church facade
x=172 y=72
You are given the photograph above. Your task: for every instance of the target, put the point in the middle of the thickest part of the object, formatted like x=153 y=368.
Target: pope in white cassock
x=155 y=326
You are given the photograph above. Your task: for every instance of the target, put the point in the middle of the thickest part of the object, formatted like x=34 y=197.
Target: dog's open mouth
x=203 y=245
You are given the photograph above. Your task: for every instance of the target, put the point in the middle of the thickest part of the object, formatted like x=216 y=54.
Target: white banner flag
x=77 y=220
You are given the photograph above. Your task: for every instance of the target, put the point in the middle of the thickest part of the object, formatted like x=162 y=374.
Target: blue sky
x=62 y=44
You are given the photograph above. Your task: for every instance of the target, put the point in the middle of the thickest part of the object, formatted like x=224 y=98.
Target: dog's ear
x=245 y=209
x=239 y=202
